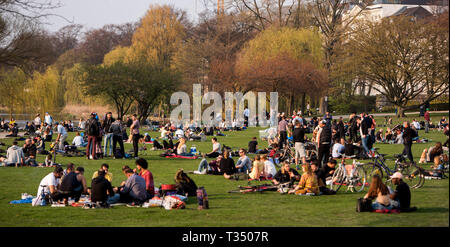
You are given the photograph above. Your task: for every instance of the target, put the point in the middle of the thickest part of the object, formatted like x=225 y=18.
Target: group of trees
x=304 y=50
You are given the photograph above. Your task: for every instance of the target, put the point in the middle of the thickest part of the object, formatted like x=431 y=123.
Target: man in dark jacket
x=116 y=129
x=299 y=143
x=101 y=188
x=364 y=129
x=408 y=135
x=353 y=130
x=323 y=142
x=92 y=131
x=108 y=135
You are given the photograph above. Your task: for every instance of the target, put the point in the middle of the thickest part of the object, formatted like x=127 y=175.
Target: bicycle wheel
x=413 y=176
x=359 y=179
x=337 y=179
x=374 y=169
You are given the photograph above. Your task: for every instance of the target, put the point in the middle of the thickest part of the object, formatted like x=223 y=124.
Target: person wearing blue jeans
x=108 y=139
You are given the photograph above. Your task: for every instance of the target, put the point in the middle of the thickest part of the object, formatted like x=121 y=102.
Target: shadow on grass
x=432 y=210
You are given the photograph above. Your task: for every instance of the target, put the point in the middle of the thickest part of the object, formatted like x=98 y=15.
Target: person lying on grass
x=308 y=182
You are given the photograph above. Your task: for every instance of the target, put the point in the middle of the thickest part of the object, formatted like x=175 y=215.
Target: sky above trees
x=97 y=13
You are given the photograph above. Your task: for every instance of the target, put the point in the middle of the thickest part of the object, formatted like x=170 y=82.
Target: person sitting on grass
x=40 y=144
x=215 y=150
x=132 y=191
x=104 y=167
x=227 y=167
x=253 y=146
x=324 y=172
x=308 y=184
x=379 y=192
x=269 y=167
x=50 y=185
x=243 y=165
x=78 y=141
x=48 y=161
x=101 y=189
x=257 y=168
x=73 y=184
x=142 y=167
x=182 y=148
x=338 y=148
x=29 y=150
x=286 y=175
x=402 y=193
x=14 y=156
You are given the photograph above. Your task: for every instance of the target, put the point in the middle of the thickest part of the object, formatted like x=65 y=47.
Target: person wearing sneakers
x=402 y=194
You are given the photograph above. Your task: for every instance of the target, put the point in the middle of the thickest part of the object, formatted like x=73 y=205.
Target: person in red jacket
x=142 y=167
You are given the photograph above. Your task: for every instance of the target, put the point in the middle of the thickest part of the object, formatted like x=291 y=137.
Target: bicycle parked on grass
x=353 y=176
x=413 y=175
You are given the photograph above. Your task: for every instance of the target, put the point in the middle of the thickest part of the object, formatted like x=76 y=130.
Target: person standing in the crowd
x=282 y=131
x=116 y=129
x=108 y=134
x=364 y=131
x=62 y=136
x=299 y=144
x=328 y=117
x=37 y=121
x=93 y=131
x=134 y=130
x=48 y=119
x=408 y=135
x=427 y=118
x=353 y=129
x=323 y=142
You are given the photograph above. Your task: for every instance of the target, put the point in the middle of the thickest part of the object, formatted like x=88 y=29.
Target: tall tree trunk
x=303 y=103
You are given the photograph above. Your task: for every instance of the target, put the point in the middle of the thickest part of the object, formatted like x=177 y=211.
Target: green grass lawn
x=252 y=209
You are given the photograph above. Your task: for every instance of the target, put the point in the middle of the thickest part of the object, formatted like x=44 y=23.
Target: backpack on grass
x=363 y=205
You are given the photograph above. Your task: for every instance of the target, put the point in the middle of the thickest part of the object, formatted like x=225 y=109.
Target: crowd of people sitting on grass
x=315 y=157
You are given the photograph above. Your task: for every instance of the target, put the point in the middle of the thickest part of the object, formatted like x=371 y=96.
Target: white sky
x=97 y=13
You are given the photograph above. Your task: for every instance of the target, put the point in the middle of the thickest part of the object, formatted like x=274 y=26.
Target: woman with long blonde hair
x=308 y=182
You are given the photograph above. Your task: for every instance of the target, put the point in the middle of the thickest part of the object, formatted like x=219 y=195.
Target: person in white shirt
x=82 y=124
x=179 y=133
x=416 y=124
x=78 y=140
x=48 y=119
x=37 y=121
x=49 y=185
x=269 y=167
x=62 y=136
x=338 y=148
x=216 y=149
